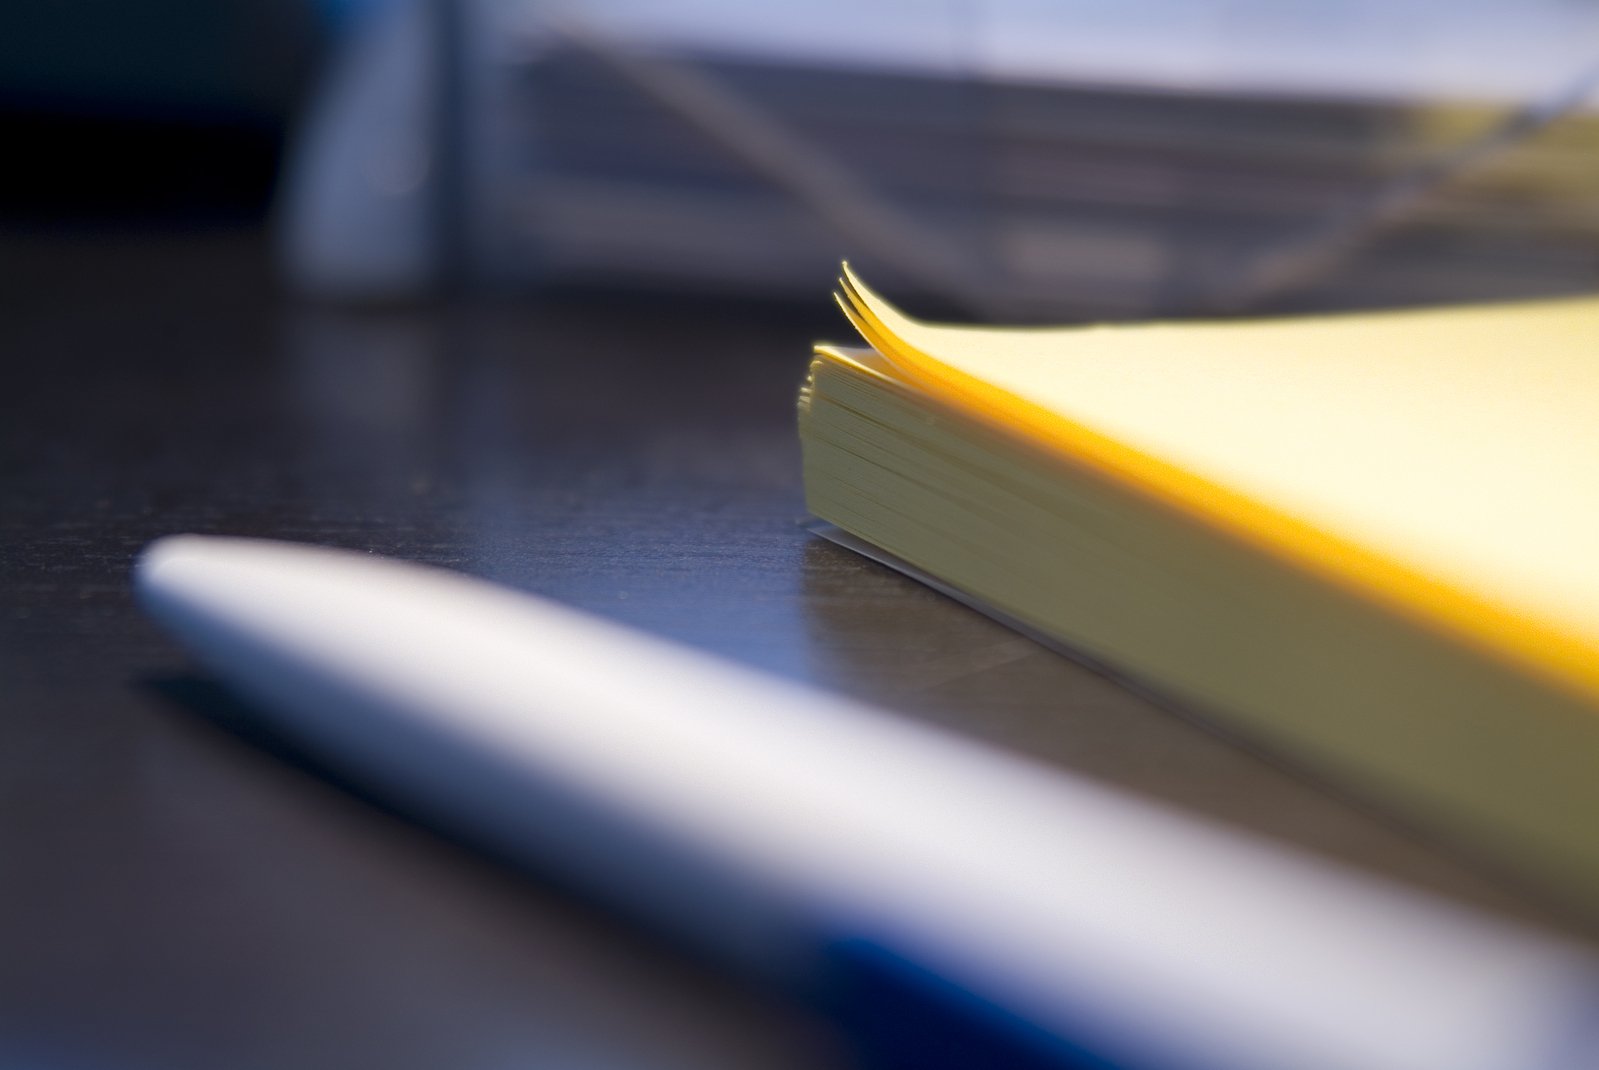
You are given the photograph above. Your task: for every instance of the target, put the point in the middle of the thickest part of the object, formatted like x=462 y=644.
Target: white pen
x=812 y=838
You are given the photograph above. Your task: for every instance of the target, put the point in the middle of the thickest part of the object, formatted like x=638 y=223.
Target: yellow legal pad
x=1368 y=540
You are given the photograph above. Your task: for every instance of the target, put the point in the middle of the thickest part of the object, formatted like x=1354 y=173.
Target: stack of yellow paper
x=1368 y=540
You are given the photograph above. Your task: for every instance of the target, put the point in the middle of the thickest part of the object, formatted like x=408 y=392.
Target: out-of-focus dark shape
x=165 y=109
x=1008 y=158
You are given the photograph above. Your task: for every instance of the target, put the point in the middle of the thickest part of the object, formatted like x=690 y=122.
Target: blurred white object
x=359 y=213
x=1023 y=159
x=772 y=823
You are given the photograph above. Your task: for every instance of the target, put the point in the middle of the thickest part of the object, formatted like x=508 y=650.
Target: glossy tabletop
x=177 y=891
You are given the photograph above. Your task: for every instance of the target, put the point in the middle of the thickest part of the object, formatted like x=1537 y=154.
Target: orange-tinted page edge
x=1529 y=644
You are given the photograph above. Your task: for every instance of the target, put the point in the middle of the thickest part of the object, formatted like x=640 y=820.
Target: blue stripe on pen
x=905 y=1017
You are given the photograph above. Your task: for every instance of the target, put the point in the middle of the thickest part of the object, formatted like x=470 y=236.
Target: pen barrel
x=808 y=837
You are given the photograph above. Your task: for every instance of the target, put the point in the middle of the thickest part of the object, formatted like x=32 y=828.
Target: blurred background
x=1010 y=159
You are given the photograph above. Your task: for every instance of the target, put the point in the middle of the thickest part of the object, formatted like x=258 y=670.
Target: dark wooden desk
x=173 y=894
